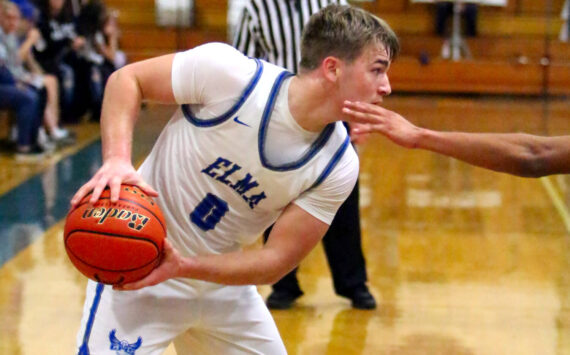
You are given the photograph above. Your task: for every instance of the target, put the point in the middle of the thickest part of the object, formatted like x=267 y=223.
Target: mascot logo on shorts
x=122 y=346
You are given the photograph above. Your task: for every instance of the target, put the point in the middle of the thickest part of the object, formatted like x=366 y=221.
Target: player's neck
x=310 y=103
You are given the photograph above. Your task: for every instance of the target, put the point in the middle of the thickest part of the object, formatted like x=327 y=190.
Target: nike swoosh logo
x=240 y=122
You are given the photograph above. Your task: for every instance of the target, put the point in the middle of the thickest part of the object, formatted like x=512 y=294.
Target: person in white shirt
x=251 y=145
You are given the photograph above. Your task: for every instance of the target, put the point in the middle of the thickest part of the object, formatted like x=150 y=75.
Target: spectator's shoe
x=63 y=137
x=36 y=154
x=45 y=142
x=361 y=298
x=281 y=300
x=446 y=50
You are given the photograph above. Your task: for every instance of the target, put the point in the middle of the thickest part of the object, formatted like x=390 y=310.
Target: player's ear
x=331 y=67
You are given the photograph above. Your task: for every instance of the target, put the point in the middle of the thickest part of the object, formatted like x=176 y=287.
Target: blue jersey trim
x=217 y=120
x=334 y=161
x=84 y=349
x=315 y=147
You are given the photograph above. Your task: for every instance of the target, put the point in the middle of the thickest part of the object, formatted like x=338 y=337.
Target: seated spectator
x=443 y=12
x=57 y=54
x=19 y=53
x=110 y=41
x=97 y=56
x=26 y=102
x=51 y=129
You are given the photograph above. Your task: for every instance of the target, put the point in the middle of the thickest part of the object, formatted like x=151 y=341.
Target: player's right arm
x=124 y=92
x=514 y=153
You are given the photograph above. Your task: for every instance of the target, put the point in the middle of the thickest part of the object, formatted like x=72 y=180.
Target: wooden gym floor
x=461 y=260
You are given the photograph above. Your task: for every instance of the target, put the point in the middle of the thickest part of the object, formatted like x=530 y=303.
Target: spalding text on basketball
x=136 y=221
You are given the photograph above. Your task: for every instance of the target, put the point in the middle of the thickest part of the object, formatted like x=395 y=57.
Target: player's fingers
x=150 y=280
x=115 y=187
x=82 y=192
x=149 y=190
x=97 y=190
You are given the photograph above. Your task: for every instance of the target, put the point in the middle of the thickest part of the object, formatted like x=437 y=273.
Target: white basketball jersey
x=217 y=189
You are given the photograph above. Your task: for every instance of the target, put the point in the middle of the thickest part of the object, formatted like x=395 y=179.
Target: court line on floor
x=557 y=201
x=49 y=162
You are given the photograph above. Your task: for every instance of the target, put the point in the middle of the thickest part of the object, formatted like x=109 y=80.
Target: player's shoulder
x=218 y=59
x=218 y=51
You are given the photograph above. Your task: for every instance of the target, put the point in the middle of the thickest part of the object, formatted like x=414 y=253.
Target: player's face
x=367 y=79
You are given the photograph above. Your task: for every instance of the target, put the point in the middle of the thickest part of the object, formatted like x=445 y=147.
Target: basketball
x=115 y=243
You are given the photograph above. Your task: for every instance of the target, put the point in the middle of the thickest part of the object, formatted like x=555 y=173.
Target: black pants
x=444 y=11
x=342 y=248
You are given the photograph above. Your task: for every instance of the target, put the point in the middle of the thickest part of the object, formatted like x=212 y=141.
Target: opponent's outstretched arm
x=514 y=153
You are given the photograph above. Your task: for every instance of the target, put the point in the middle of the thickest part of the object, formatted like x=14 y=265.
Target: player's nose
x=385 y=89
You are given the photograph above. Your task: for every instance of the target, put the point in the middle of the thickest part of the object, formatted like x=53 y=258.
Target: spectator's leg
x=470 y=16
x=81 y=94
x=443 y=10
x=96 y=92
x=26 y=104
x=51 y=112
x=66 y=77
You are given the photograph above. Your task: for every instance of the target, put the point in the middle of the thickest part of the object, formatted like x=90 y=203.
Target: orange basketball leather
x=115 y=243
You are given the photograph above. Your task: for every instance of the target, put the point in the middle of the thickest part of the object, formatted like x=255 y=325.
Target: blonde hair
x=344 y=31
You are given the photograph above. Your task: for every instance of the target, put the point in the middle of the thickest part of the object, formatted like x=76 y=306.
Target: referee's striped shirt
x=271 y=29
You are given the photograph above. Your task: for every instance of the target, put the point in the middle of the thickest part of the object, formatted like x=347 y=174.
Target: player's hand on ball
x=168 y=268
x=113 y=173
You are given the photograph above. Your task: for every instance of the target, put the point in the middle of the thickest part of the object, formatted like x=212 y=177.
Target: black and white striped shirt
x=271 y=29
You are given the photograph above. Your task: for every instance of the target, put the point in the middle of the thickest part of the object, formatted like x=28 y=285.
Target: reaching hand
x=113 y=173
x=375 y=119
x=361 y=136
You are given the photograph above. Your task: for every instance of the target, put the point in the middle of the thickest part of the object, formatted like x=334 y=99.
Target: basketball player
x=518 y=154
x=250 y=145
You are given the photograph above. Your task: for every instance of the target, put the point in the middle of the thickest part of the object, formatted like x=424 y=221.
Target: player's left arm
x=293 y=236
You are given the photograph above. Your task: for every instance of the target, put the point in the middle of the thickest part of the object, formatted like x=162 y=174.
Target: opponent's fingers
x=361 y=129
x=359 y=116
x=372 y=110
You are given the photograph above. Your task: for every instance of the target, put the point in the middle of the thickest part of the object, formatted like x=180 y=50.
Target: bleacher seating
x=516 y=51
